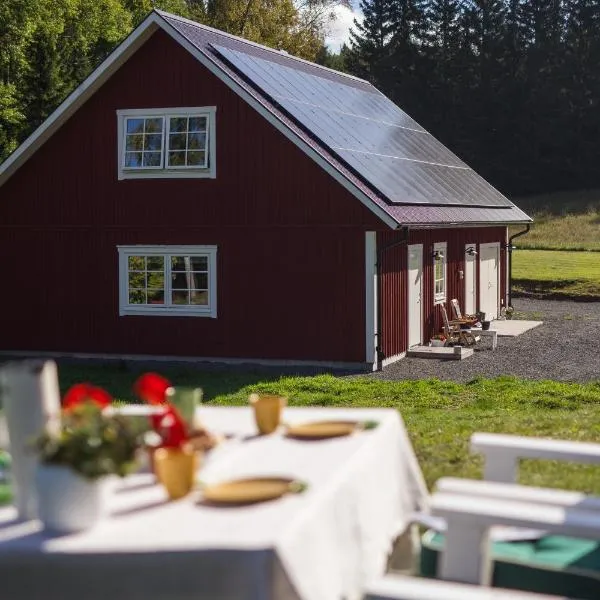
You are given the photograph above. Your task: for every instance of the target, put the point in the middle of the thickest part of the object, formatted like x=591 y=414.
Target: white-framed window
x=167 y=143
x=439 y=272
x=168 y=280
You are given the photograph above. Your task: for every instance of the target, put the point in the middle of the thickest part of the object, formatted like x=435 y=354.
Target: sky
x=339 y=29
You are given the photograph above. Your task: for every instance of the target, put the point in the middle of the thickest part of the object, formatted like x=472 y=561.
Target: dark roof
x=375 y=145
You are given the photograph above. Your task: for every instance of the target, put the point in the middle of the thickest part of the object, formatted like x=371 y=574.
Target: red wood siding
x=290 y=239
x=394 y=278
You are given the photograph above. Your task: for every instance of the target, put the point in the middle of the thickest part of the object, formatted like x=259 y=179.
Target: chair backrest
x=445 y=317
x=456 y=308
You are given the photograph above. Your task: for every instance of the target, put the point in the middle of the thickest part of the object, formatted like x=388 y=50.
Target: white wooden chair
x=402 y=587
x=472 y=508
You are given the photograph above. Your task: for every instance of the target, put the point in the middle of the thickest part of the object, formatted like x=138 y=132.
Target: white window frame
x=126 y=309
x=165 y=171
x=440 y=248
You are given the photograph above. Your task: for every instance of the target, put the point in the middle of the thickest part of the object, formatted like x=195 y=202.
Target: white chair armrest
x=519 y=493
x=502 y=453
x=401 y=587
x=469 y=518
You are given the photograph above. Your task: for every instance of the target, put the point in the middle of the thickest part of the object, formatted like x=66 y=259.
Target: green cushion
x=554 y=564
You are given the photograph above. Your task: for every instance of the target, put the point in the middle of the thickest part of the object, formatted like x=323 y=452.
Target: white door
x=489 y=262
x=470 y=280
x=415 y=294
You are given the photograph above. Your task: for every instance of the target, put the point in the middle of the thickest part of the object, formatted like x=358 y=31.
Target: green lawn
x=562 y=232
x=440 y=416
x=569 y=274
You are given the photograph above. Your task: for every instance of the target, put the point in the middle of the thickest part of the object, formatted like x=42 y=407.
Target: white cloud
x=338 y=30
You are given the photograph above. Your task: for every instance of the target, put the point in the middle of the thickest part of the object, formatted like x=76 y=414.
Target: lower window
x=168 y=280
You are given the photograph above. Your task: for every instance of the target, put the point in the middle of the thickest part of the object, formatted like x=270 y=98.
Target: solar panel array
x=385 y=147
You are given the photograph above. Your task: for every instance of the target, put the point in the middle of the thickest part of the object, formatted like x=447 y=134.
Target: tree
x=369 y=50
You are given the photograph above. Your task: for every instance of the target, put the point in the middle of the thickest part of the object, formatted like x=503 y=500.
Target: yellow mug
x=176 y=469
x=267 y=411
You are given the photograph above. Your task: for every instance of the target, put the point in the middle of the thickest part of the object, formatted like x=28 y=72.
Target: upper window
x=164 y=143
x=439 y=272
x=173 y=280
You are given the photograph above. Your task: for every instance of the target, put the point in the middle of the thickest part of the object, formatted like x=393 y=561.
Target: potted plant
x=438 y=340
x=77 y=463
x=509 y=312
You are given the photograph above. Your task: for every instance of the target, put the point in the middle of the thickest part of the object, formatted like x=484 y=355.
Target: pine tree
x=369 y=49
x=408 y=29
x=43 y=86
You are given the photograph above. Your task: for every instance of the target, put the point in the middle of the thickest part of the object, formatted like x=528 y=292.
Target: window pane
x=133 y=159
x=177 y=141
x=199 y=281
x=177 y=159
x=180 y=297
x=153 y=142
x=151 y=159
x=156 y=296
x=196 y=141
x=177 y=263
x=199 y=263
x=199 y=297
x=155 y=263
x=137 y=297
x=197 y=124
x=195 y=158
x=137 y=280
x=178 y=124
x=156 y=280
x=136 y=263
x=135 y=125
x=154 y=125
x=134 y=142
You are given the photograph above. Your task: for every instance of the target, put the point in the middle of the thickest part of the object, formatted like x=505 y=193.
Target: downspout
x=380 y=354
x=510 y=248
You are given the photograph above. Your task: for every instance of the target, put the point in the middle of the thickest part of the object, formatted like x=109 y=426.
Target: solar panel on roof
x=378 y=141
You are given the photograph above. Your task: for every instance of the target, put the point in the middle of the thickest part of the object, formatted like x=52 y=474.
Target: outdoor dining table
x=325 y=543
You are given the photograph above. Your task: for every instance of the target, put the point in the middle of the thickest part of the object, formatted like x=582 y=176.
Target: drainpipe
x=380 y=354
x=510 y=248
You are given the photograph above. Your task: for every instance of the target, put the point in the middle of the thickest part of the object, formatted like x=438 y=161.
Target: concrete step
x=440 y=352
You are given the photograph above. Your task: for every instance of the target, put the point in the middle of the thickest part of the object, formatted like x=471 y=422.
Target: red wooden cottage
x=202 y=196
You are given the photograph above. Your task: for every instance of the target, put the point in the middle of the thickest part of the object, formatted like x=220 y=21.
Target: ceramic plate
x=249 y=491
x=322 y=429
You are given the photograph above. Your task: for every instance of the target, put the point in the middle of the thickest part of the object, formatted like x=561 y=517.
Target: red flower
x=152 y=388
x=85 y=392
x=171 y=428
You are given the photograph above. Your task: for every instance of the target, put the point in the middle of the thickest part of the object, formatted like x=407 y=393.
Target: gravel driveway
x=565 y=348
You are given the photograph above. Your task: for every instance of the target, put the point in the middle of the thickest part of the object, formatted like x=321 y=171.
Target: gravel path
x=565 y=348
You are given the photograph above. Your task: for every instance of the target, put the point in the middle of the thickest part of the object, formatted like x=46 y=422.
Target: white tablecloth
x=323 y=544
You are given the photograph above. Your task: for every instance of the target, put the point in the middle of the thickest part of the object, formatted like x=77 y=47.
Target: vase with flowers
x=438 y=340
x=175 y=445
x=78 y=461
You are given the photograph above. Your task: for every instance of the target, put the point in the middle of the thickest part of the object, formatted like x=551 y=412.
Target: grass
x=440 y=416
x=562 y=221
x=557 y=273
x=562 y=232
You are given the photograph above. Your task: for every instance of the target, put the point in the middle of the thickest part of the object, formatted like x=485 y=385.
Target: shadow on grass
x=118 y=377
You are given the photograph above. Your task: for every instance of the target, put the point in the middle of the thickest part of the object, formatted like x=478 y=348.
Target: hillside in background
x=546 y=263
x=562 y=221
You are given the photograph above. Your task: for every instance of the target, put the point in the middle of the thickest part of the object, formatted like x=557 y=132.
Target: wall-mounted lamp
x=471 y=251
x=438 y=255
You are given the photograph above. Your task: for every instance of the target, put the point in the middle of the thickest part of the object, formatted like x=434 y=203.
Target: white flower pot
x=438 y=343
x=67 y=502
